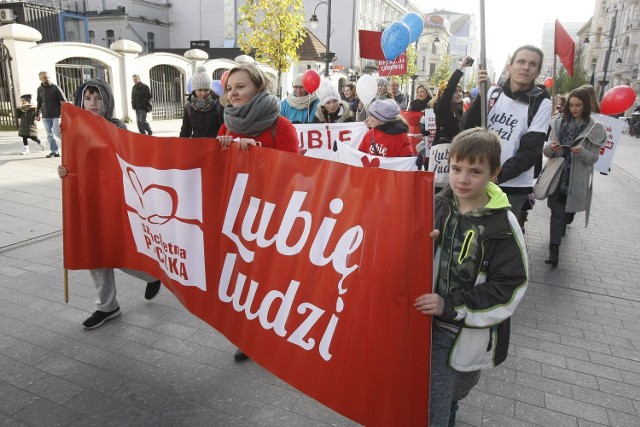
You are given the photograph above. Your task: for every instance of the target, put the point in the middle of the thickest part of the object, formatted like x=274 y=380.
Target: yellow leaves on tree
x=275 y=29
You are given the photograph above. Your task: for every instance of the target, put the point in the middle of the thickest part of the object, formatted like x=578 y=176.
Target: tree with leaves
x=275 y=30
x=443 y=70
x=565 y=83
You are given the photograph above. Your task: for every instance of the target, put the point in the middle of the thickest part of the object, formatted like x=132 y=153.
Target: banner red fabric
x=396 y=67
x=311 y=267
x=370 y=45
x=564 y=47
x=413 y=119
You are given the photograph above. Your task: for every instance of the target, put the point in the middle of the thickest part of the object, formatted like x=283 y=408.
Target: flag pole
x=554 y=91
x=66 y=285
x=483 y=63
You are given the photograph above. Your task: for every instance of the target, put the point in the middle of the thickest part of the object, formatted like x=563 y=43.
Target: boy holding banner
x=480 y=271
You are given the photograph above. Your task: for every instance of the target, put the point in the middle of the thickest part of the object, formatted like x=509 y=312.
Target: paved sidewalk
x=574 y=359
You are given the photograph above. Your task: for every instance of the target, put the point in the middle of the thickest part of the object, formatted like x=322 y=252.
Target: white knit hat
x=327 y=92
x=201 y=79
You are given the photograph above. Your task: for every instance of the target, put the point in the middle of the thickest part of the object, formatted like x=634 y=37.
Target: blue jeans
x=52 y=127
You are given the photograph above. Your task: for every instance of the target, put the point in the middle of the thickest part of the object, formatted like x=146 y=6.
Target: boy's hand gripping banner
x=311 y=267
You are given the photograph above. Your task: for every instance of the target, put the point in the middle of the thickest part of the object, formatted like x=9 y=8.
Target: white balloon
x=367 y=88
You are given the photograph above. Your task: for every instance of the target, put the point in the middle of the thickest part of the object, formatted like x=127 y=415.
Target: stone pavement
x=574 y=359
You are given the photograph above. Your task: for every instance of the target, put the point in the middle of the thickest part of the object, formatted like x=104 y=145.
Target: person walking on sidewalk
x=26 y=113
x=141 y=103
x=577 y=137
x=96 y=96
x=50 y=98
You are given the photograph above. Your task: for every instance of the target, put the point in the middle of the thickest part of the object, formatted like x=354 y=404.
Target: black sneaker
x=99 y=317
x=152 y=290
x=240 y=356
x=52 y=154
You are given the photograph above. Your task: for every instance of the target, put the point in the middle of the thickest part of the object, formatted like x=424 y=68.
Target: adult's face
x=348 y=93
x=299 y=90
x=202 y=93
x=240 y=88
x=576 y=107
x=394 y=87
x=457 y=96
x=136 y=80
x=44 y=78
x=524 y=70
x=422 y=94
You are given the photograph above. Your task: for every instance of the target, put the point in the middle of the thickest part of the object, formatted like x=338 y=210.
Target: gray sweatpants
x=105 y=283
x=447 y=384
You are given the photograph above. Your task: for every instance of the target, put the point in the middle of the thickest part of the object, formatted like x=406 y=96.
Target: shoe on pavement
x=240 y=356
x=52 y=154
x=25 y=151
x=152 y=290
x=99 y=317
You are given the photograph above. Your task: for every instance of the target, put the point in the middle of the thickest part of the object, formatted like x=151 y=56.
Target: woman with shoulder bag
x=577 y=137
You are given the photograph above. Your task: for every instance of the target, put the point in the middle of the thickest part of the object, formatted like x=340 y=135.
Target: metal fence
x=167 y=89
x=72 y=72
x=7 y=102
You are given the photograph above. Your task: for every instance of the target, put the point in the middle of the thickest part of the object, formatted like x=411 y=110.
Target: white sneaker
x=25 y=151
x=42 y=146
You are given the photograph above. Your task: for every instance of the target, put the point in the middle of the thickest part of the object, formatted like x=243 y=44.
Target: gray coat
x=591 y=139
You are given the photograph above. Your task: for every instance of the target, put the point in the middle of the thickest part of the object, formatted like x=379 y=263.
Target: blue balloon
x=415 y=23
x=474 y=92
x=216 y=86
x=395 y=39
x=189 y=85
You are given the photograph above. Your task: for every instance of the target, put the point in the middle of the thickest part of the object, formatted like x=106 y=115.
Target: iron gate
x=166 y=84
x=72 y=72
x=7 y=99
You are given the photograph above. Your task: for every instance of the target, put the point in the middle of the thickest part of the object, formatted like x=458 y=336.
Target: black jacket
x=50 y=99
x=141 y=97
x=447 y=120
x=201 y=124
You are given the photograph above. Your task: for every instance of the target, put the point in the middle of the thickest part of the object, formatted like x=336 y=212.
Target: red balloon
x=548 y=82
x=617 y=100
x=311 y=80
x=223 y=79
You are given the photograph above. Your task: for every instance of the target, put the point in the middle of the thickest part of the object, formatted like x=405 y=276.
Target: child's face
x=202 y=93
x=372 y=122
x=331 y=106
x=23 y=101
x=92 y=101
x=469 y=180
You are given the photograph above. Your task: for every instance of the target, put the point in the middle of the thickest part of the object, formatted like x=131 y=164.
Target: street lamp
x=313 y=22
x=610 y=35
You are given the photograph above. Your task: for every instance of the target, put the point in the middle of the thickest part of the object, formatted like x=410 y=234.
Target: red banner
x=311 y=267
x=370 y=43
x=393 y=68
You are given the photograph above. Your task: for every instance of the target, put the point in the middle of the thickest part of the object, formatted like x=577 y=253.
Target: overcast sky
x=510 y=23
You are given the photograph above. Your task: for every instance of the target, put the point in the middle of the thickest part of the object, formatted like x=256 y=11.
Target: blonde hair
x=256 y=75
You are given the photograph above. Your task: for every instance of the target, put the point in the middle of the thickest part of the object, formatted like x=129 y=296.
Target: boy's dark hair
x=91 y=89
x=583 y=95
x=26 y=97
x=530 y=48
x=475 y=145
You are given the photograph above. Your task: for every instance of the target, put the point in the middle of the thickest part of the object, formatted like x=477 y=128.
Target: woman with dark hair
x=577 y=137
x=423 y=97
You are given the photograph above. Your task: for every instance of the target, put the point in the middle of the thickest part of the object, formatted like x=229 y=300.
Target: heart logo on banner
x=374 y=163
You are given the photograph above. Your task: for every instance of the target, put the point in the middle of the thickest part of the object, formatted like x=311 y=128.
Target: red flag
x=370 y=45
x=564 y=47
x=304 y=273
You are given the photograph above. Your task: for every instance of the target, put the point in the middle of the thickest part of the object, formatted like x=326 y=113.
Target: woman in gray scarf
x=252 y=113
x=252 y=117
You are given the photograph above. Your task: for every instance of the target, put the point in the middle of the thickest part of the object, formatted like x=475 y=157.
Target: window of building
x=92 y=37
x=151 y=42
x=110 y=37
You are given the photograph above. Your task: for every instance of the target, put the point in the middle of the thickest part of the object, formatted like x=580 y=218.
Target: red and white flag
x=564 y=47
x=310 y=267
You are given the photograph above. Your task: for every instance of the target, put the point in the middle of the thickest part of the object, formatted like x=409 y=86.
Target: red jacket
x=283 y=137
x=386 y=145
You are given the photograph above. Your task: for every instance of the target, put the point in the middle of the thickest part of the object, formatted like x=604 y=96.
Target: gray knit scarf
x=301 y=102
x=254 y=117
